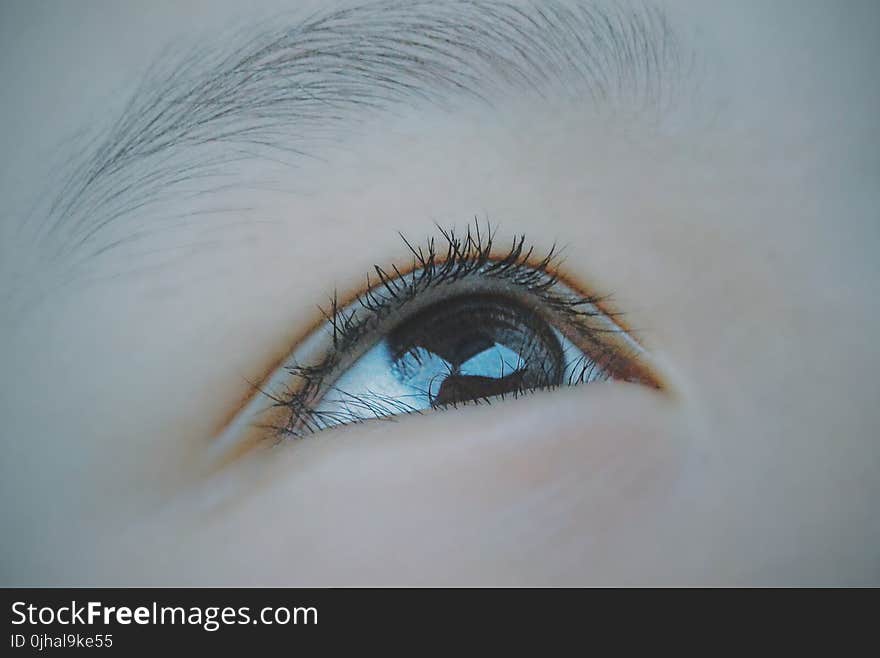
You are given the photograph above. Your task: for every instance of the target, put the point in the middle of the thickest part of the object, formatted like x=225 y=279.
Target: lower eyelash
x=462 y=257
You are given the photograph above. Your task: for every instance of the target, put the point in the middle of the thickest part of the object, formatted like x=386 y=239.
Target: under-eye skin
x=465 y=322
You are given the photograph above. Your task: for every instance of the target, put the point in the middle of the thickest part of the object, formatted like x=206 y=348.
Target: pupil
x=475 y=347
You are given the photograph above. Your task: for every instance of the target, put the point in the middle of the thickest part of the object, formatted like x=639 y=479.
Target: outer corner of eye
x=461 y=324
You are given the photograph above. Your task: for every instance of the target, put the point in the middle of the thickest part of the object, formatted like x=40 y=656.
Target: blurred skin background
x=736 y=227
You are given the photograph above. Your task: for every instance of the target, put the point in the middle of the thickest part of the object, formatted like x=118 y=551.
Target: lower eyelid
x=584 y=411
x=600 y=455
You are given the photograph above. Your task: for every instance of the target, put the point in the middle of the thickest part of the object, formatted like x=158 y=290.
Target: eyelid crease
x=460 y=251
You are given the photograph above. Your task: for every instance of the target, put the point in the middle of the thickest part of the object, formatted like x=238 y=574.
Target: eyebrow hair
x=285 y=90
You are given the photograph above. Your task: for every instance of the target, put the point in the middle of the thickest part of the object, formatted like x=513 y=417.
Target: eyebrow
x=285 y=90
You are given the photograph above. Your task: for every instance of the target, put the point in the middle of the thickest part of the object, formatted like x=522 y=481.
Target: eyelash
x=463 y=257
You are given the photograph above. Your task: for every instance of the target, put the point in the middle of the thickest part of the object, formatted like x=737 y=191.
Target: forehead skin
x=736 y=229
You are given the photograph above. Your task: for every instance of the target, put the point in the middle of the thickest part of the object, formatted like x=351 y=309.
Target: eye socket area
x=462 y=341
x=466 y=328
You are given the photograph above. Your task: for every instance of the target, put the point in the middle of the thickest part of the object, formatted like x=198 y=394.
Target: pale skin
x=737 y=232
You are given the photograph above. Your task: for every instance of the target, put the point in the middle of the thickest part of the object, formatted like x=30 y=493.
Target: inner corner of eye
x=462 y=325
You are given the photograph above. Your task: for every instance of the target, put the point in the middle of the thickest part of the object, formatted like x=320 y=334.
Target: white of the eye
x=370 y=387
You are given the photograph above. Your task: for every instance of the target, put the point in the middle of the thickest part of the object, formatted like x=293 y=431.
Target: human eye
x=466 y=321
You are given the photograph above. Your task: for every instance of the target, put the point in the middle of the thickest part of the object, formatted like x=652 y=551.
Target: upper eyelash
x=463 y=256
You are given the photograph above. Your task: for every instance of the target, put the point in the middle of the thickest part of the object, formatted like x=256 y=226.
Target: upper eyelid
x=474 y=251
